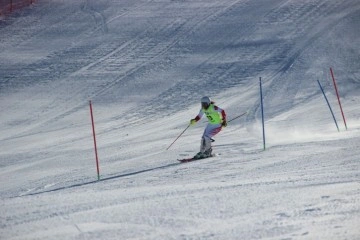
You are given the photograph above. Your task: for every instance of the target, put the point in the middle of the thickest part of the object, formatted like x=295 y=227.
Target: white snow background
x=145 y=64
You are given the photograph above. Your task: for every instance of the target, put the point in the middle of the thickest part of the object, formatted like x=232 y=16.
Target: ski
x=185 y=160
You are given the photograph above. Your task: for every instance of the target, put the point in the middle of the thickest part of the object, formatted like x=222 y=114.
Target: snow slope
x=145 y=64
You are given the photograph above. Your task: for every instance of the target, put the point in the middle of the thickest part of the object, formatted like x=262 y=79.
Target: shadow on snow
x=101 y=180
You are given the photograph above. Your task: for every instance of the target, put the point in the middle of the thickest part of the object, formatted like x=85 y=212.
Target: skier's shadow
x=102 y=180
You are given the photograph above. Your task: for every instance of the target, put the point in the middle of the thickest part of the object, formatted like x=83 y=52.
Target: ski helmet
x=206 y=100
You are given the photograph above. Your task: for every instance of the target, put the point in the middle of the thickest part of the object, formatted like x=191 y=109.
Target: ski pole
x=238 y=116
x=179 y=136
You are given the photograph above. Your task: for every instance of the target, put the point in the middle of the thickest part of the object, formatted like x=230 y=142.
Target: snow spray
x=94 y=136
x=332 y=113
x=337 y=94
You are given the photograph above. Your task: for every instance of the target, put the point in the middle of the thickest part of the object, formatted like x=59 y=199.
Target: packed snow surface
x=145 y=64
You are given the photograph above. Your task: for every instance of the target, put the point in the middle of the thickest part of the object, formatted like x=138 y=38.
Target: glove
x=224 y=123
x=192 y=122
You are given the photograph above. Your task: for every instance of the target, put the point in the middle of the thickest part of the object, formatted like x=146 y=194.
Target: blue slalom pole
x=262 y=113
x=332 y=113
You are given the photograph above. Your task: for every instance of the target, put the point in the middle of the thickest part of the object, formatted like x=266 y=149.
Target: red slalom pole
x=337 y=94
x=94 y=136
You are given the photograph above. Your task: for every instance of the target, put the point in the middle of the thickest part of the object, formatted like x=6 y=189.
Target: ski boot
x=199 y=155
x=208 y=152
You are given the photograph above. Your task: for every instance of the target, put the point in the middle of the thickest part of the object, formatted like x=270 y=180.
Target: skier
x=217 y=120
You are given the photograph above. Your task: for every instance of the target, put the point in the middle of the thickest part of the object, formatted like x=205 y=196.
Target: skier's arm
x=197 y=118
x=221 y=111
x=223 y=115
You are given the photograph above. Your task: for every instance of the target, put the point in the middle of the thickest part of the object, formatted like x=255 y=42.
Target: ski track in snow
x=145 y=65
